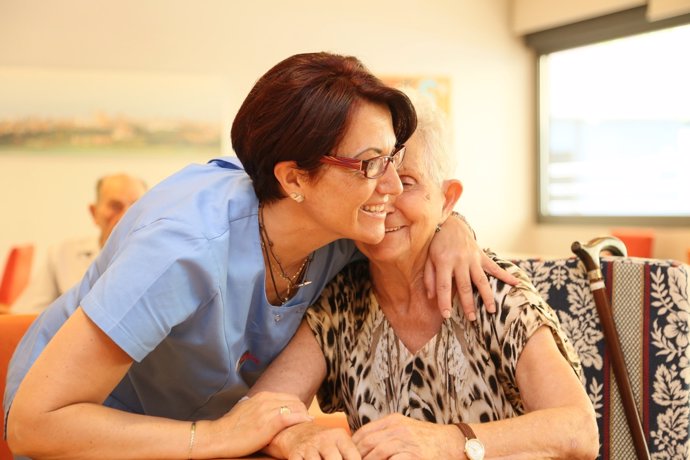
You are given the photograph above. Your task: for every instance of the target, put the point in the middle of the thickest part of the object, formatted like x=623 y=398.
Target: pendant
x=303 y=283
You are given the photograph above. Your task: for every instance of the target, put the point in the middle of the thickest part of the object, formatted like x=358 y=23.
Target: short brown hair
x=299 y=111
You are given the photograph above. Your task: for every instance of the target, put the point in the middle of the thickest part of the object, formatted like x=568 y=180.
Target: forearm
x=567 y=433
x=299 y=369
x=87 y=431
x=559 y=422
x=57 y=410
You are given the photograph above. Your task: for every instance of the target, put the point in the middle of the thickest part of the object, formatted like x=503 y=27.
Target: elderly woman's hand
x=454 y=253
x=398 y=437
x=310 y=441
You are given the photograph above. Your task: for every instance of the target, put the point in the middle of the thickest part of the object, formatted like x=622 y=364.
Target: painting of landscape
x=435 y=87
x=71 y=111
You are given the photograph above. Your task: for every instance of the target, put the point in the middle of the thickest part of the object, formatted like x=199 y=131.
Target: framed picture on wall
x=63 y=111
x=436 y=87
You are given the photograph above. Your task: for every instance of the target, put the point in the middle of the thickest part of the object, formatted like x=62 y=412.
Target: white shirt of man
x=63 y=268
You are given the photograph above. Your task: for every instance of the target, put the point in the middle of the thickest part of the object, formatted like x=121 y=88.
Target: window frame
x=617 y=25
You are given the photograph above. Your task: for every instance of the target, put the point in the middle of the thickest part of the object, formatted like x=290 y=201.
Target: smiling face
x=342 y=200
x=412 y=218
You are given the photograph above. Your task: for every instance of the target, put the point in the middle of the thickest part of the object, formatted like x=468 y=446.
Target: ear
x=452 y=190
x=92 y=210
x=290 y=177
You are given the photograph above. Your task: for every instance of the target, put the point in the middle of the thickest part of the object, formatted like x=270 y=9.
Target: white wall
x=43 y=199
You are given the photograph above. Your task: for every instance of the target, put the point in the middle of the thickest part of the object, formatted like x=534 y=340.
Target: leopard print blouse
x=465 y=373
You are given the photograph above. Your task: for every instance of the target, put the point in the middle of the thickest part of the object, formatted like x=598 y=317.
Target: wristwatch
x=474 y=449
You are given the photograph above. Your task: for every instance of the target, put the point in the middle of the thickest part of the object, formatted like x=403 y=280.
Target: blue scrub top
x=179 y=286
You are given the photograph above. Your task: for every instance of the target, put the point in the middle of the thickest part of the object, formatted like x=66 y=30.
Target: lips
x=393 y=229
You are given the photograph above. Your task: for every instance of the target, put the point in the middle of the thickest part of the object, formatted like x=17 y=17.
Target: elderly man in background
x=67 y=262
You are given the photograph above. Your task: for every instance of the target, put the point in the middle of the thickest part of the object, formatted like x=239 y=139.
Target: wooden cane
x=589 y=254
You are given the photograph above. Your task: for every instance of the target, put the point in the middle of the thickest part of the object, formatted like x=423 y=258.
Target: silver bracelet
x=192 y=438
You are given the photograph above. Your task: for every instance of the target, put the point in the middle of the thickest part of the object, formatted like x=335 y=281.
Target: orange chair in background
x=12 y=329
x=16 y=274
x=640 y=243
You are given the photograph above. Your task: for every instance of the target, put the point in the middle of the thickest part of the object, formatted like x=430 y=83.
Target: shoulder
x=512 y=302
x=349 y=282
x=79 y=249
x=344 y=294
x=202 y=199
x=84 y=244
x=523 y=293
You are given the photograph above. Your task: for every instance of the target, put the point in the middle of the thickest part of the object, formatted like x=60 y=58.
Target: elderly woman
x=414 y=385
x=206 y=278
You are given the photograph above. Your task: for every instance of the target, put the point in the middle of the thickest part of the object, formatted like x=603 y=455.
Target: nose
x=389 y=183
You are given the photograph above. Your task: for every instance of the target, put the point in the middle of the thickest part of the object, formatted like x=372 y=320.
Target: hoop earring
x=298 y=197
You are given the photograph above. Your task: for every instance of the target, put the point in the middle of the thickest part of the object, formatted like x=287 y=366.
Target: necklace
x=293 y=282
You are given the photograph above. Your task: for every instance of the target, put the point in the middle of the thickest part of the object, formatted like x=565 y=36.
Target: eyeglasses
x=373 y=168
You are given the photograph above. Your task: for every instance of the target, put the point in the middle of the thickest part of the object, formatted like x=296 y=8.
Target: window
x=614 y=121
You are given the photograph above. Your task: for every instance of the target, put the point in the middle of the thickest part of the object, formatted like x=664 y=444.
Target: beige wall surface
x=535 y=15
x=43 y=199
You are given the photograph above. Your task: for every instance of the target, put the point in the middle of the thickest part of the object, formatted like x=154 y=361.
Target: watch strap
x=466 y=430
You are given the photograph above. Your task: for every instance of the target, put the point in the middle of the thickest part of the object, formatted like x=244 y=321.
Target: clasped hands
x=280 y=425
x=391 y=437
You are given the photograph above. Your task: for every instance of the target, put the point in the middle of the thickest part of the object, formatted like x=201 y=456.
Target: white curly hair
x=434 y=132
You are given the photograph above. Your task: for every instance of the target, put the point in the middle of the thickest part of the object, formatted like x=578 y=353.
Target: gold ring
x=284 y=410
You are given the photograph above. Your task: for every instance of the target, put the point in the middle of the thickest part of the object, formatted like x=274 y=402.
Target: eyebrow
x=377 y=150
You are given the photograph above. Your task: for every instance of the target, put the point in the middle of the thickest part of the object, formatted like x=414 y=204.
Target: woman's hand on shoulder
x=398 y=437
x=310 y=440
x=255 y=421
x=454 y=254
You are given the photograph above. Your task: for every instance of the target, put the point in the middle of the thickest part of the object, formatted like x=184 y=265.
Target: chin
x=391 y=251
x=372 y=237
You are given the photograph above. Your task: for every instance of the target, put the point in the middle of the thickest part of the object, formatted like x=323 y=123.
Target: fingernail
x=446 y=314
x=472 y=316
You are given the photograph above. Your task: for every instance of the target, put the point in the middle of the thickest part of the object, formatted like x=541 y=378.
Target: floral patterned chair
x=649 y=299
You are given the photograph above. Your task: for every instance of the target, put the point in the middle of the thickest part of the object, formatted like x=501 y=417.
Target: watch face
x=474 y=449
